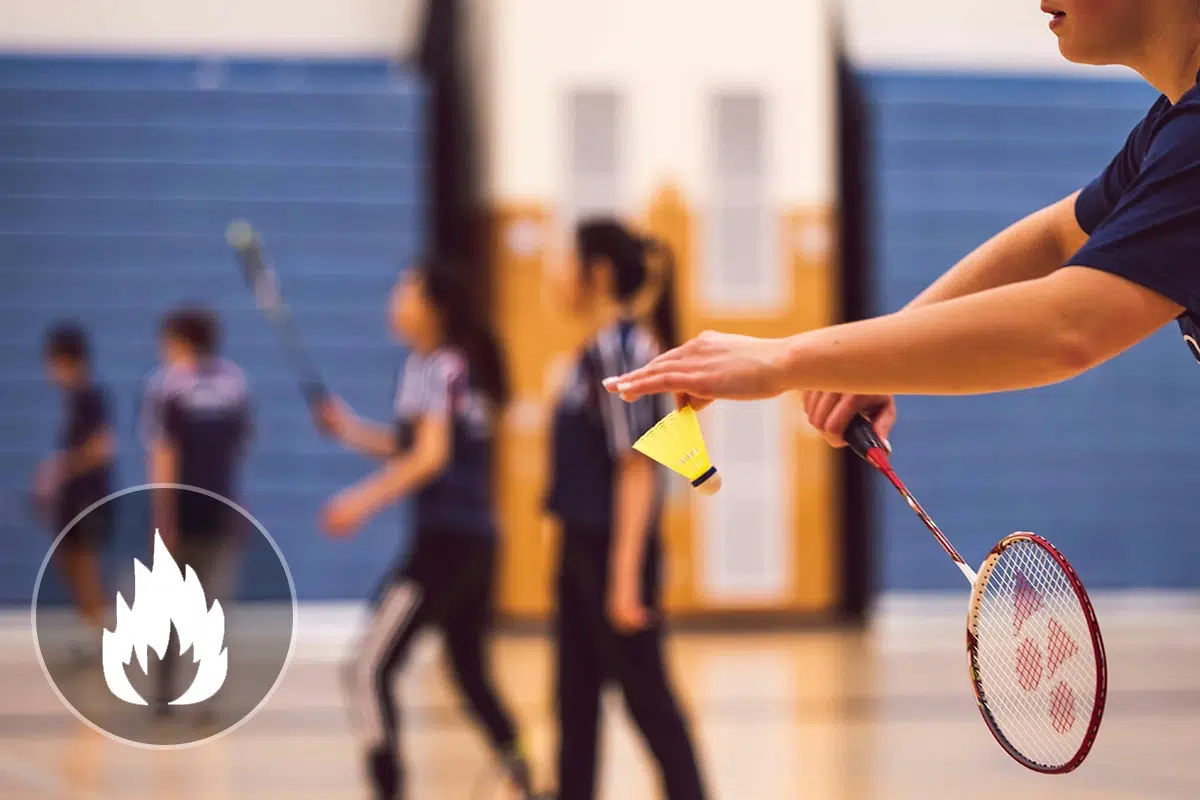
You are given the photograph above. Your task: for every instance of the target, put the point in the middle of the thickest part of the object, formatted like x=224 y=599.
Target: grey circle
x=216 y=537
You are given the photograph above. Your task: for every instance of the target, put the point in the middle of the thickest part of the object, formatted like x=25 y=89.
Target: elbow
x=430 y=464
x=1074 y=351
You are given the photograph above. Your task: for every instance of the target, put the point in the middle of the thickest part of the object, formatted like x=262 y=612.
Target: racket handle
x=317 y=397
x=860 y=435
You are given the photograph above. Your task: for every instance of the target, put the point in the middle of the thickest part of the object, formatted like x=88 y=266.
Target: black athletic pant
x=591 y=653
x=214 y=554
x=447 y=582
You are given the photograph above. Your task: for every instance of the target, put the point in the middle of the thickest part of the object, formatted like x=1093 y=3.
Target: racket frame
x=1085 y=603
x=862 y=439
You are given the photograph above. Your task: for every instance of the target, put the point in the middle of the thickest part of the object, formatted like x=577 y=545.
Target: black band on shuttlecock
x=711 y=471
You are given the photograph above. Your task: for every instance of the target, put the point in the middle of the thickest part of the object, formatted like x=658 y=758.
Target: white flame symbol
x=163 y=595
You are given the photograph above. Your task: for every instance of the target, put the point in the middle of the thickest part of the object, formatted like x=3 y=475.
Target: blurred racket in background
x=264 y=282
x=1034 y=646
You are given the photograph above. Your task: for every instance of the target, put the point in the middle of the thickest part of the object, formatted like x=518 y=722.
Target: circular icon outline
x=287 y=661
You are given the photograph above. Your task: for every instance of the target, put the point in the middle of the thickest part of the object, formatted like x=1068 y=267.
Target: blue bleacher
x=1097 y=464
x=117 y=179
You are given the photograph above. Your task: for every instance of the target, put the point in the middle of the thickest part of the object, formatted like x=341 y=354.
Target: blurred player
x=439 y=452
x=197 y=426
x=1011 y=315
x=609 y=501
x=79 y=473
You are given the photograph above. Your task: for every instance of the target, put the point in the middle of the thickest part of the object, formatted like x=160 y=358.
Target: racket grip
x=315 y=394
x=860 y=435
x=317 y=397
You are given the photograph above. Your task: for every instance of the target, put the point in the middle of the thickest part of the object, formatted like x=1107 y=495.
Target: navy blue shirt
x=438 y=384
x=86 y=415
x=1143 y=212
x=593 y=429
x=205 y=415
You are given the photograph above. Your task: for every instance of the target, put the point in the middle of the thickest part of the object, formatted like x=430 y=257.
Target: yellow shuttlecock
x=677 y=443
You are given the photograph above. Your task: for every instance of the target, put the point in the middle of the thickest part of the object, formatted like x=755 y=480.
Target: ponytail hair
x=661 y=261
x=643 y=273
x=467 y=326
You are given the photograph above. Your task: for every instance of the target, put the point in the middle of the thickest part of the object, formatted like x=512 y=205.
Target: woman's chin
x=1087 y=56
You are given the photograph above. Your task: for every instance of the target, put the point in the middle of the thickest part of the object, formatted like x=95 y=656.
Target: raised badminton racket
x=1034 y=647
x=264 y=283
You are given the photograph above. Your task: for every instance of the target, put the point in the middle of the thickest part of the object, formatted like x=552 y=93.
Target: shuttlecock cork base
x=677 y=443
x=709 y=483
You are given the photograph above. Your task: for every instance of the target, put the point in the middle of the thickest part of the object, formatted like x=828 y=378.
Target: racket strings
x=1035 y=664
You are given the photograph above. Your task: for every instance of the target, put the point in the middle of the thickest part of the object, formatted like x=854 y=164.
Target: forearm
x=634 y=505
x=1014 y=337
x=91 y=454
x=1029 y=249
x=398 y=477
x=369 y=438
x=163 y=469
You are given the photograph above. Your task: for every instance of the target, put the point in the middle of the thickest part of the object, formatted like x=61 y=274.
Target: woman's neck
x=1171 y=60
x=424 y=347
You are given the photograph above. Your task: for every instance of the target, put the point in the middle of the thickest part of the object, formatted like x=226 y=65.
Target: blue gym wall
x=1105 y=465
x=117 y=179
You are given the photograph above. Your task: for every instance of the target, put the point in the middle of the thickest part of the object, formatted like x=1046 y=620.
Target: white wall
x=988 y=35
x=260 y=27
x=667 y=56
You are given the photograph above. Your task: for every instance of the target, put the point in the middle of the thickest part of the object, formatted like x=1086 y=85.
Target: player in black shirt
x=438 y=450
x=1058 y=293
x=609 y=500
x=197 y=426
x=79 y=473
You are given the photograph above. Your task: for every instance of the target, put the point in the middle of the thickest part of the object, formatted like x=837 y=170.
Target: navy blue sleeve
x=93 y=413
x=1100 y=197
x=1152 y=234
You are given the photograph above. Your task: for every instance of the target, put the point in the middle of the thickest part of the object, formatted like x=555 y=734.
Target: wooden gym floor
x=886 y=714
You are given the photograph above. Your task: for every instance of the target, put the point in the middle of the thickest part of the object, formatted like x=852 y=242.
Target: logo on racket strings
x=1033 y=666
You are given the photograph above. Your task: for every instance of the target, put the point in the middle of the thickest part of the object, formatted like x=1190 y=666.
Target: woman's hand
x=625 y=609
x=831 y=412
x=344 y=514
x=334 y=418
x=712 y=366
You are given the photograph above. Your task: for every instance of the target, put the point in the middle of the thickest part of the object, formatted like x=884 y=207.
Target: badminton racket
x=264 y=283
x=1034 y=647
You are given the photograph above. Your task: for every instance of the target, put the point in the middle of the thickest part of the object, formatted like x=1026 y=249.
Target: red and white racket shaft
x=877 y=457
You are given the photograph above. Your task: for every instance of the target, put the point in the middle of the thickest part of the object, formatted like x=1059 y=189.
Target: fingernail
x=608 y=382
x=887 y=445
x=622 y=387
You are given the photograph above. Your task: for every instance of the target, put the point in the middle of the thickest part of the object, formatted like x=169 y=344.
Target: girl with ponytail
x=608 y=499
x=438 y=450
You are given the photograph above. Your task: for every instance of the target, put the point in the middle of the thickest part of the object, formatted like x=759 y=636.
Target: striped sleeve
x=151 y=411
x=619 y=350
x=429 y=384
x=444 y=378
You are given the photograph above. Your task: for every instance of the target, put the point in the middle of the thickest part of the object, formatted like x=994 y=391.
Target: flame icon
x=165 y=595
